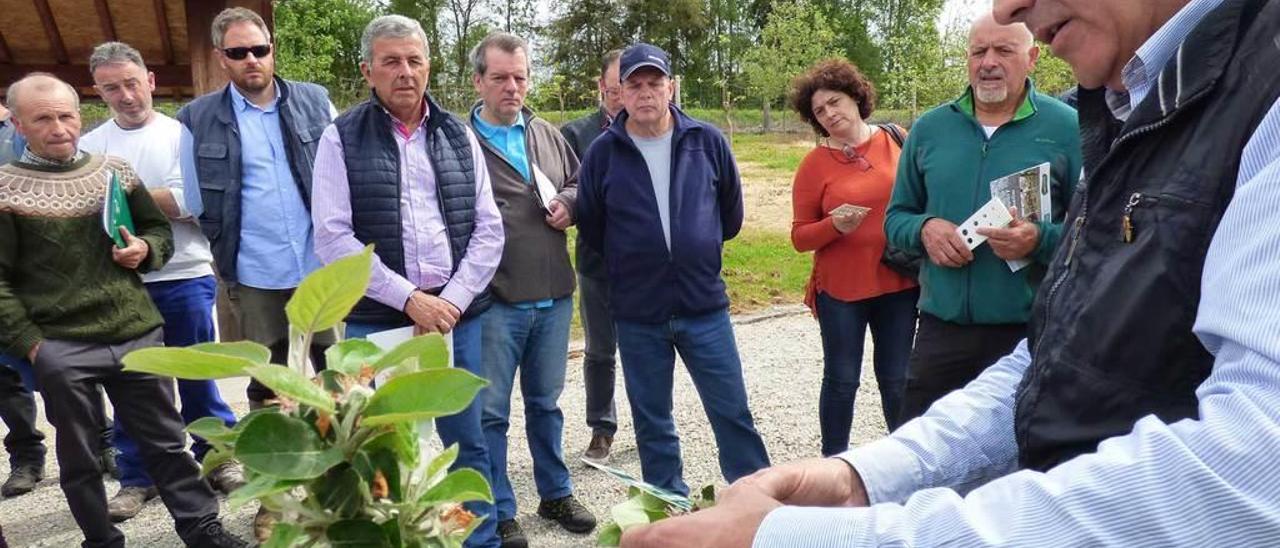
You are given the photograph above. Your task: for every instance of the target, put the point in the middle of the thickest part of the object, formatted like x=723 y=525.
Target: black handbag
x=904 y=262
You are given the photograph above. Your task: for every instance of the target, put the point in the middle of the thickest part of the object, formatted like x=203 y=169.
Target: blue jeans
x=187 y=309
x=462 y=428
x=892 y=318
x=535 y=341
x=707 y=346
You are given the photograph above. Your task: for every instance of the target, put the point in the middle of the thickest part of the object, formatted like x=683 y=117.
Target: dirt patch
x=767 y=193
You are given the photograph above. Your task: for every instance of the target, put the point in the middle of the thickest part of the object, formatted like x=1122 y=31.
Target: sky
x=966 y=9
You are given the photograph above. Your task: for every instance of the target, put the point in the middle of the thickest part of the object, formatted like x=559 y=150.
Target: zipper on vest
x=1126 y=221
x=1075 y=239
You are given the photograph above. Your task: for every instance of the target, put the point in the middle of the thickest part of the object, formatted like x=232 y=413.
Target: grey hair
x=110 y=53
x=391 y=26
x=610 y=57
x=504 y=41
x=233 y=16
x=41 y=83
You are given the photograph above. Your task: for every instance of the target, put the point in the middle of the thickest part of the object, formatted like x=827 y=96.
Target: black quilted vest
x=373 y=172
x=1111 y=326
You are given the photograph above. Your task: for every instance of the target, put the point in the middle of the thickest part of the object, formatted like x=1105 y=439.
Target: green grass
x=772 y=150
x=762 y=269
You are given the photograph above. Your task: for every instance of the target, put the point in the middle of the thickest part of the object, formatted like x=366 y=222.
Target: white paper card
x=993 y=214
x=391 y=338
x=849 y=209
x=546 y=188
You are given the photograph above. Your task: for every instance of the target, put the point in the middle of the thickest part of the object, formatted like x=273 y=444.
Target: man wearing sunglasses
x=974 y=307
x=247 y=153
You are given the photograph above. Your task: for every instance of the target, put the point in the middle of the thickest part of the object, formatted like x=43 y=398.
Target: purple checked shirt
x=428 y=260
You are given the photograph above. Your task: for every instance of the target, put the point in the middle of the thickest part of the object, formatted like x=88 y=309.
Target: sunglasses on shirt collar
x=240 y=53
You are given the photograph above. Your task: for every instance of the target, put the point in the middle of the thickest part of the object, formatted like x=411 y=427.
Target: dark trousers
x=262 y=320
x=710 y=353
x=599 y=367
x=187 y=308
x=892 y=319
x=69 y=374
x=949 y=355
x=24 y=442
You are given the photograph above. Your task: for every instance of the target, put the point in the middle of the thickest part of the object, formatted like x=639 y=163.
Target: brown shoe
x=226 y=477
x=598 y=450
x=129 y=501
x=263 y=523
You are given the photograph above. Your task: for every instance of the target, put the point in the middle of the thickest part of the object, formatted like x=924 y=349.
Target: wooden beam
x=206 y=75
x=6 y=56
x=78 y=75
x=104 y=18
x=51 y=32
x=166 y=38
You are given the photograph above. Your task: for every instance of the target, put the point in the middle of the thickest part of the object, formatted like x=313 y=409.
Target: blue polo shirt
x=509 y=140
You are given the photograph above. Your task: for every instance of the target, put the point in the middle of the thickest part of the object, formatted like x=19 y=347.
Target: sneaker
x=214 y=536
x=569 y=513
x=263 y=523
x=108 y=459
x=511 y=534
x=129 y=501
x=226 y=477
x=22 y=480
x=598 y=450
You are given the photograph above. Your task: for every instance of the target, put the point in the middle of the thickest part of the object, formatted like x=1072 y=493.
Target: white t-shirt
x=657 y=156
x=152 y=151
x=990 y=130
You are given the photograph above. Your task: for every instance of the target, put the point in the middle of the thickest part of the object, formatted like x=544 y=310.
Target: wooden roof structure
x=57 y=36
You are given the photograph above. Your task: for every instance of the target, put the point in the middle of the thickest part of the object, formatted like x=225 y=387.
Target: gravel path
x=782 y=358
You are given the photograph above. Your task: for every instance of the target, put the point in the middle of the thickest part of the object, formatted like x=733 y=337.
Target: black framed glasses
x=239 y=53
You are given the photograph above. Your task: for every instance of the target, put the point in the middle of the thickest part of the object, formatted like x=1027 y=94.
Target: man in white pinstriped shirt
x=956 y=476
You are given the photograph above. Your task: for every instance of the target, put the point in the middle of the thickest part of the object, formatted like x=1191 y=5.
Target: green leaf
x=356 y=533
x=442 y=461
x=284 y=447
x=213 y=430
x=342 y=491
x=214 y=458
x=248 y=350
x=422 y=395
x=258 y=487
x=284 y=381
x=284 y=535
x=331 y=381
x=185 y=363
x=327 y=295
x=347 y=357
x=629 y=514
x=610 y=535
x=370 y=462
x=463 y=485
x=430 y=350
x=652 y=504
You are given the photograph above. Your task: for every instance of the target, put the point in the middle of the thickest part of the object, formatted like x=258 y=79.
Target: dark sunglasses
x=240 y=53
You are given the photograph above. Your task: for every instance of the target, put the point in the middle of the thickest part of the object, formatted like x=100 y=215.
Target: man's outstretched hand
x=740 y=509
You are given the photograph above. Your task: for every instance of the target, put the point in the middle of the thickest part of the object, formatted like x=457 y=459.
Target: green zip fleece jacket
x=57 y=278
x=946 y=170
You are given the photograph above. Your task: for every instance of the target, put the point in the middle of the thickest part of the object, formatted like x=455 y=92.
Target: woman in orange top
x=839 y=198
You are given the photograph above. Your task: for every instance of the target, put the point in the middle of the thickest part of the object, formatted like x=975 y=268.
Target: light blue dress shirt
x=276 y=246
x=950 y=478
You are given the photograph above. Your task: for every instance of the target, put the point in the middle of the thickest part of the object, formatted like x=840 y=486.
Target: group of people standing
x=257 y=184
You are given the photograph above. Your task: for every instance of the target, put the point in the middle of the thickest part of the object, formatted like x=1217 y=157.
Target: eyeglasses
x=240 y=53
x=849 y=156
x=613 y=92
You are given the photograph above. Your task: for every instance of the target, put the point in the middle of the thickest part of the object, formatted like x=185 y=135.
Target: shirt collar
x=402 y=129
x=242 y=104
x=489 y=130
x=1141 y=73
x=1025 y=109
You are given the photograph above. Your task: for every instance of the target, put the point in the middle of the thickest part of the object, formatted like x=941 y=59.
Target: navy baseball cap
x=643 y=55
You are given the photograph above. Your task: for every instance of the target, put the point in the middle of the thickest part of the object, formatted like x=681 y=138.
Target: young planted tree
x=342 y=460
x=796 y=36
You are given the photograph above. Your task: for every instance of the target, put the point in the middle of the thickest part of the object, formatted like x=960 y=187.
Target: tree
x=427 y=13
x=319 y=41
x=578 y=37
x=795 y=36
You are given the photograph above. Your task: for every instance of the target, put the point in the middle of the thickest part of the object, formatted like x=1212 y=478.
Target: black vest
x=304 y=114
x=373 y=173
x=1111 y=326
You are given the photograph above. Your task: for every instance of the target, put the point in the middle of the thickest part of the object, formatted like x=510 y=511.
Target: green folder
x=115 y=211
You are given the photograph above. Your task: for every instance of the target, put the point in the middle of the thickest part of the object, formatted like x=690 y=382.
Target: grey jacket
x=535 y=258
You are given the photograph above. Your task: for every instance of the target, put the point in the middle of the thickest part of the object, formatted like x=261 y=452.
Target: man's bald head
x=1000 y=58
x=39 y=84
x=987 y=26
x=46 y=111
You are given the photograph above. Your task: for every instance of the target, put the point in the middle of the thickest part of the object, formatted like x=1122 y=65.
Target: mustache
x=991 y=73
